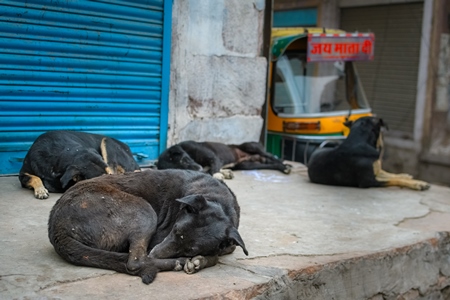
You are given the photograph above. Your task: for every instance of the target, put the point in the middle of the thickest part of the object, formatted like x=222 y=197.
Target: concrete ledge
x=401 y=272
x=306 y=241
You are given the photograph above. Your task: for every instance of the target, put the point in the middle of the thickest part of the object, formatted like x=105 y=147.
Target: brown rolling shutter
x=390 y=81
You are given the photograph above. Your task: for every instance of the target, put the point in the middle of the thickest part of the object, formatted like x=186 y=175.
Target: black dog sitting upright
x=184 y=218
x=357 y=161
x=215 y=157
x=59 y=159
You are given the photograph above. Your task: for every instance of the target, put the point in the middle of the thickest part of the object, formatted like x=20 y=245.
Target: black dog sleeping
x=58 y=159
x=144 y=222
x=213 y=158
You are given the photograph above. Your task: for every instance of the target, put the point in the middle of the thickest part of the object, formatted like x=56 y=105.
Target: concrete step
x=305 y=241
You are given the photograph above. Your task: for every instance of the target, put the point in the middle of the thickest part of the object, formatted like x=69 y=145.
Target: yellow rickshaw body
x=285 y=122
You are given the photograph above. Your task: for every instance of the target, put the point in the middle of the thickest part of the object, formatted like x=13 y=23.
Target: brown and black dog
x=357 y=161
x=59 y=159
x=214 y=158
x=145 y=222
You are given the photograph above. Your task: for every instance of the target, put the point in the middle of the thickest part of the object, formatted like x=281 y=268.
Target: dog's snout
x=197 y=168
x=185 y=160
x=190 y=164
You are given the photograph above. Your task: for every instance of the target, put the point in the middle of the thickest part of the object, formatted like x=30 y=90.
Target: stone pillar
x=218 y=75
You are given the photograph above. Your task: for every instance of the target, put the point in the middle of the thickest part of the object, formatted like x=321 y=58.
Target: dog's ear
x=348 y=123
x=383 y=124
x=193 y=203
x=236 y=239
x=175 y=152
x=71 y=174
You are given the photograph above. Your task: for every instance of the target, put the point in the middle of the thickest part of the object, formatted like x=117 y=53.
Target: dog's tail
x=104 y=154
x=117 y=156
x=80 y=254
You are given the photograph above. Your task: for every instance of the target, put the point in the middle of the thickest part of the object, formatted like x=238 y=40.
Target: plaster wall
x=218 y=74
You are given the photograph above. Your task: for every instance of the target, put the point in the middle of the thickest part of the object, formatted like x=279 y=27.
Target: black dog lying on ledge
x=215 y=158
x=58 y=159
x=357 y=161
x=144 y=222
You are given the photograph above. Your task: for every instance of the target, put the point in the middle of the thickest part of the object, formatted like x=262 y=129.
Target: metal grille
x=94 y=66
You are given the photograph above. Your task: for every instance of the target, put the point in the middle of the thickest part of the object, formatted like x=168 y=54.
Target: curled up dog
x=59 y=159
x=145 y=222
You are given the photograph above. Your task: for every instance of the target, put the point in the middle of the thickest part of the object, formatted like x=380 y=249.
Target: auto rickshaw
x=314 y=88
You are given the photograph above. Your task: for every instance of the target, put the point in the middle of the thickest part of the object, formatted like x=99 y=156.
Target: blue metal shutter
x=94 y=66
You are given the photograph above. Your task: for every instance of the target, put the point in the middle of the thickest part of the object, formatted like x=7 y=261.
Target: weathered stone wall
x=218 y=76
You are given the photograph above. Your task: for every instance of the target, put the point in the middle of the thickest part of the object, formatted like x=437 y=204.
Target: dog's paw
x=178 y=266
x=109 y=171
x=287 y=169
x=422 y=185
x=195 y=264
x=227 y=174
x=41 y=193
x=219 y=176
x=148 y=274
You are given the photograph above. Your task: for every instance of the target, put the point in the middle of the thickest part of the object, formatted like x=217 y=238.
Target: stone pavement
x=305 y=241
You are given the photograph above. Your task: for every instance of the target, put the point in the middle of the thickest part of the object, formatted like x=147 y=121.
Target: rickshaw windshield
x=324 y=88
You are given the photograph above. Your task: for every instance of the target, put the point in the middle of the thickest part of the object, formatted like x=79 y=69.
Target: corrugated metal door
x=390 y=81
x=95 y=66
